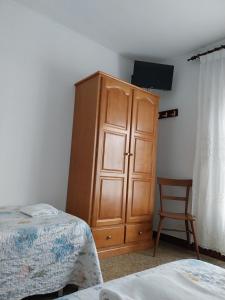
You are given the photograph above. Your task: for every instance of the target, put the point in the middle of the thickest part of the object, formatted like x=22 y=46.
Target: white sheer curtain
x=209 y=169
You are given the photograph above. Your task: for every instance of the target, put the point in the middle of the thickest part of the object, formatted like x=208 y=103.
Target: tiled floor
x=119 y=266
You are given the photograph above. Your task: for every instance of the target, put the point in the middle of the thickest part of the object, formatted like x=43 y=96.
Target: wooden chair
x=186 y=183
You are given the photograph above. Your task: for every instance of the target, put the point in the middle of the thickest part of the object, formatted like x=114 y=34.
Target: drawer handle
x=109 y=237
x=140 y=232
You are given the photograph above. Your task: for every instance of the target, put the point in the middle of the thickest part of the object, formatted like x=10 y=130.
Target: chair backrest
x=186 y=183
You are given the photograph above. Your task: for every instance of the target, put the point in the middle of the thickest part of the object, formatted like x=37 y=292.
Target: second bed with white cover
x=186 y=279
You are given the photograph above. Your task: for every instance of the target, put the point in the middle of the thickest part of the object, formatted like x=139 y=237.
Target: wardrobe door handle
x=140 y=232
x=128 y=154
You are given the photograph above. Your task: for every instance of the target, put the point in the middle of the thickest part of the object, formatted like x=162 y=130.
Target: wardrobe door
x=142 y=157
x=113 y=148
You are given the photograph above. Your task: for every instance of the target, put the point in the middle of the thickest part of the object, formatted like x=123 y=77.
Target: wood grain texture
x=126 y=248
x=83 y=150
x=108 y=236
x=112 y=161
x=141 y=186
x=112 y=169
x=186 y=217
x=138 y=232
x=106 y=75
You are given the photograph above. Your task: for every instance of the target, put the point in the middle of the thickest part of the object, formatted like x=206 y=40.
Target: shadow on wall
x=49 y=147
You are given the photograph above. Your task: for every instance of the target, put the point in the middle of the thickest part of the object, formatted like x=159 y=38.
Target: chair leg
x=187 y=231
x=195 y=239
x=158 y=235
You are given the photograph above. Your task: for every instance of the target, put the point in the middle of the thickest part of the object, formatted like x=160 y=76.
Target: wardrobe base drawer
x=138 y=232
x=125 y=248
x=108 y=236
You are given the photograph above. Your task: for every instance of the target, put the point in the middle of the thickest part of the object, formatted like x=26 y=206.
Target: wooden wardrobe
x=112 y=167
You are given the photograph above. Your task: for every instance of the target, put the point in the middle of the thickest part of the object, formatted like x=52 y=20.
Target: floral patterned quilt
x=180 y=280
x=40 y=255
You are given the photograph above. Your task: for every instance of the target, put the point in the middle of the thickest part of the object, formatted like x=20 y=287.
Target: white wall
x=39 y=63
x=177 y=135
x=176 y=140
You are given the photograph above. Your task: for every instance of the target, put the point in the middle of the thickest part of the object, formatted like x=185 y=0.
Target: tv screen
x=152 y=75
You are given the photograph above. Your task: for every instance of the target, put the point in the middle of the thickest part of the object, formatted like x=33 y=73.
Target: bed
x=181 y=280
x=43 y=254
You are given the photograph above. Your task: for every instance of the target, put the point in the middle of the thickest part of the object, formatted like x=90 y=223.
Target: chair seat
x=188 y=219
x=176 y=216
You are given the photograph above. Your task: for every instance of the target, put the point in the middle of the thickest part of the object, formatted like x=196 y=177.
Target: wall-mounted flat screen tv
x=152 y=75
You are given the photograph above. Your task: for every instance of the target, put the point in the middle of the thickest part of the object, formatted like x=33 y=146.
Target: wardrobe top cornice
x=100 y=73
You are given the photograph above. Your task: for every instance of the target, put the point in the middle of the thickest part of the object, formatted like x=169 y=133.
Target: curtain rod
x=207 y=52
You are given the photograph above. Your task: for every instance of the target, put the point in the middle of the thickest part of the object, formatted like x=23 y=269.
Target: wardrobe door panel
x=117 y=106
x=111 y=211
x=113 y=147
x=143 y=149
x=141 y=193
x=145 y=116
x=143 y=157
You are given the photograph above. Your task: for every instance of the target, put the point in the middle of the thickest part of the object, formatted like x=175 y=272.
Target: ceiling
x=154 y=29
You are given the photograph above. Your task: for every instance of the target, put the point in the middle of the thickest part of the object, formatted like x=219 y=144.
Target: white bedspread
x=40 y=255
x=181 y=280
